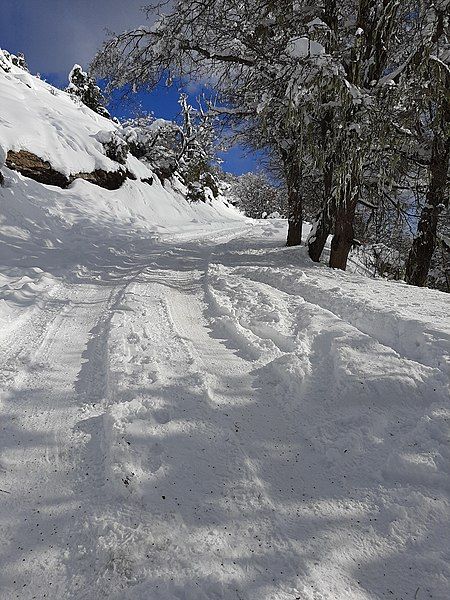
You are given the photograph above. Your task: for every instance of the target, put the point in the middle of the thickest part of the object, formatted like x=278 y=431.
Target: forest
x=349 y=100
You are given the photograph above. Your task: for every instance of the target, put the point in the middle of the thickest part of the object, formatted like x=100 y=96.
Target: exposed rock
x=32 y=166
x=148 y=180
x=110 y=180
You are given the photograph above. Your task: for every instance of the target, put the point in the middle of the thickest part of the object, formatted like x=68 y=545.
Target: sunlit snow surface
x=191 y=411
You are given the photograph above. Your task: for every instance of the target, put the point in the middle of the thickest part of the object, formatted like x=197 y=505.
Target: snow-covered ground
x=217 y=418
x=191 y=411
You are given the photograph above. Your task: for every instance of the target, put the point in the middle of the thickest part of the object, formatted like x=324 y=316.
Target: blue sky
x=55 y=34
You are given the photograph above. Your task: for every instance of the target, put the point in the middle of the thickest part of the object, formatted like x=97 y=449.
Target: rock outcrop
x=30 y=165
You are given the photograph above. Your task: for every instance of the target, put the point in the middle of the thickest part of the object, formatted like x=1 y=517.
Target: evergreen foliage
x=84 y=87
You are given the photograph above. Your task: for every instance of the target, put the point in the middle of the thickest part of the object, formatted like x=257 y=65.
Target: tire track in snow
x=149 y=530
x=216 y=362
x=96 y=391
x=38 y=447
x=343 y=401
x=19 y=345
x=277 y=475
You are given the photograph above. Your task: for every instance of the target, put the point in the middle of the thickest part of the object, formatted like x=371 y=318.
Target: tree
x=158 y=142
x=411 y=141
x=185 y=150
x=82 y=86
x=256 y=196
x=254 y=52
x=277 y=135
x=7 y=59
x=199 y=152
x=352 y=125
x=425 y=81
x=314 y=83
x=439 y=273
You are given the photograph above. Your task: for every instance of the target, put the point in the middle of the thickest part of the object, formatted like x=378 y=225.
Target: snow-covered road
x=224 y=420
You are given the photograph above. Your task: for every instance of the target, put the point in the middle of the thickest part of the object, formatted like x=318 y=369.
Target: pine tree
x=82 y=86
x=20 y=61
x=198 y=157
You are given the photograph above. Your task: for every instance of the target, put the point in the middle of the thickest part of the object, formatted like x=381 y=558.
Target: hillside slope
x=191 y=411
x=46 y=228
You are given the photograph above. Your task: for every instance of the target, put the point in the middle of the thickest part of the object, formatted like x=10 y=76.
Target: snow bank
x=37 y=117
x=21 y=292
x=394 y=313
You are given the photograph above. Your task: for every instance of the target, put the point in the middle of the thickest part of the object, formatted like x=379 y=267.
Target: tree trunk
x=343 y=235
x=424 y=244
x=294 y=236
x=419 y=258
x=295 y=200
x=319 y=233
x=368 y=58
x=324 y=221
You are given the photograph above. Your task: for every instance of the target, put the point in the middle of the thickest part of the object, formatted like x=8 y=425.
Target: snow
x=190 y=410
x=47 y=122
x=3 y=153
x=303 y=47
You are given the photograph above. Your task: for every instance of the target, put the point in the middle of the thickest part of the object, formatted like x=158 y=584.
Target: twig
x=4 y=491
x=417 y=591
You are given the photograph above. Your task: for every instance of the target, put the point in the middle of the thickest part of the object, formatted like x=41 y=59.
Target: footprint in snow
x=162 y=416
x=154 y=460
